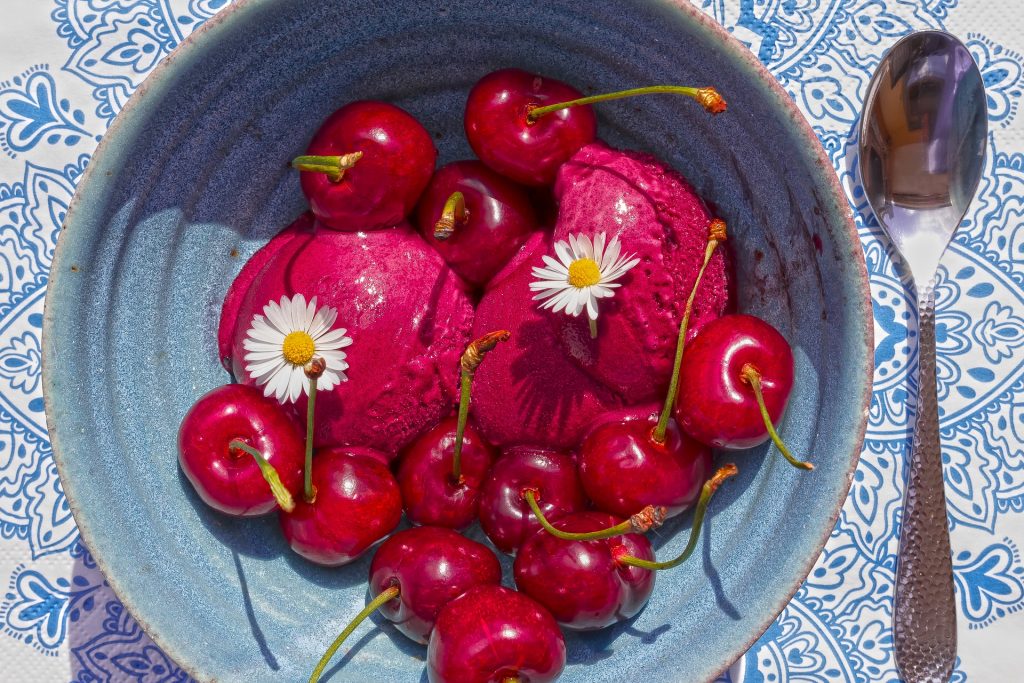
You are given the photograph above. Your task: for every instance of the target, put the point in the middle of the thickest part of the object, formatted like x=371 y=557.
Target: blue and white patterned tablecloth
x=67 y=67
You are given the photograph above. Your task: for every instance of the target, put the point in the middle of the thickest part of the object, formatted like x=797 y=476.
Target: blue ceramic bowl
x=192 y=179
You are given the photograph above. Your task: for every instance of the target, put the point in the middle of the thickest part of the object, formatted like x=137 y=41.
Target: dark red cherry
x=227 y=478
x=582 y=583
x=478 y=236
x=366 y=166
x=624 y=468
x=432 y=495
x=504 y=514
x=503 y=137
x=716 y=405
x=491 y=634
x=431 y=566
x=356 y=504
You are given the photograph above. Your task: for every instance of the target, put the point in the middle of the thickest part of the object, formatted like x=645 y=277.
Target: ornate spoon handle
x=924 y=613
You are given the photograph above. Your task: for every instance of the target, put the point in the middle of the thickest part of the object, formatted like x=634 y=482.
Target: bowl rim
x=191 y=47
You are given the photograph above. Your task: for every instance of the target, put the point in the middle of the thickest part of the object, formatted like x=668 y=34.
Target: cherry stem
x=386 y=596
x=706 y=493
x=716 y=234
x=333 y=166
x=648 y=518
x=454 y=213
x=593 y=327
x=281 y=494
x=709 y=98
x=470 y=361
x=512 y=679
x=307 y=476
x=750 y=375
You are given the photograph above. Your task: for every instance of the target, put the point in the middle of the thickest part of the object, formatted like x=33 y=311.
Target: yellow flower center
x=298 y=348
x=584 y=272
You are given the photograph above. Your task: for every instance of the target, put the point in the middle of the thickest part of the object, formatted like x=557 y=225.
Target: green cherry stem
x=709 y=98
x=313 y=369
x=453 y=214
x=716 y=234
x=471 y=359
x=386 y=596
x=750 y=375
x=706 y=493
x=333 y=166
x=281 y=493
x=649 y=518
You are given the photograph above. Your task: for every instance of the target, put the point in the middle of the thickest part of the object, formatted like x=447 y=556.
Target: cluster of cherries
x=575 y=521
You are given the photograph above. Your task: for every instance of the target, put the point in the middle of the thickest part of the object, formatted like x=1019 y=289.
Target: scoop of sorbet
x=659 y=217
x=528 y=390
x=408 y=315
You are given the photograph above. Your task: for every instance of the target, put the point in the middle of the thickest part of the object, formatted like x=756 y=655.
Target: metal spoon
x=922 y=144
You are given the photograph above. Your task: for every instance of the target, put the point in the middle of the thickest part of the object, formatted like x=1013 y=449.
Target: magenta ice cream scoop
x=528 y=390
x=659 y=217
x=407 y=313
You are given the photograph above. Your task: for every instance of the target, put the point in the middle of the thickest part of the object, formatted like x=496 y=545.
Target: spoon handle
x=924 y=614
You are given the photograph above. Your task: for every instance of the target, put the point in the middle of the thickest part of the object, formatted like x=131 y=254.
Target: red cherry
x=491 y=634
x=505 y=516
x=356 y=503
x=431 y=494
x=229 y=479
x=727 y=364
x=431 y=567
x=624 y=468
x=414 y=575
x=478 y=236
x=366 y=166
x=582 y=583
x=500 y=133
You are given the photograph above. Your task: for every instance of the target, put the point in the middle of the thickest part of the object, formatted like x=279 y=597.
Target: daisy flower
x=584 y=272
x=282 y=342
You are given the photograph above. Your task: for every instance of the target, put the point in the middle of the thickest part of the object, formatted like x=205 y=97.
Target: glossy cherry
x=491 y=634
x=582 y=583
x=226 y=477
x=356 y=503
x=414 y=574
x=502 y=136
x=478 y=231
x=727 y=364
x=624 y=468
x=431 y=566
x=431 y=493
x=504 y=514
x=366 y=166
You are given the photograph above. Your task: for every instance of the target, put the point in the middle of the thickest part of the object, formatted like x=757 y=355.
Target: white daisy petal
x=276 y=317
x=257 y=369
x=296 y=380
x=599 y=240
x=586 y=247
x=277 y=383
x=550 y=275
x=332 y=339
x=564 y=253
x=592 y=307
x=557 y=267
x=611 y=254
x=255 y=355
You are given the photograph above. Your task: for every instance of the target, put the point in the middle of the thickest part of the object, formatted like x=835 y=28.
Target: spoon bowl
x=922 y=144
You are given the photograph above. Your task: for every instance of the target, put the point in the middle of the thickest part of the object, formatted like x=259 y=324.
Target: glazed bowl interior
x=193 y=178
